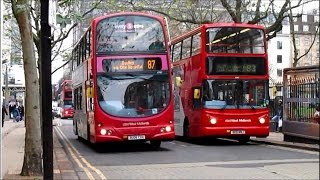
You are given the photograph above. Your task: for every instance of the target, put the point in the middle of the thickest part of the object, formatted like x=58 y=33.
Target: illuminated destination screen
x=131 y=64
x=235 y=66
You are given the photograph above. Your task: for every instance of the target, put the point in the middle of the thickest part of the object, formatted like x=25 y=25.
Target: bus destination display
x=236 y=68
x=131 y=64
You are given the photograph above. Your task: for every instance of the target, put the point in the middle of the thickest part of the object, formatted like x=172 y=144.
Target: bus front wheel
x=186 y=130
x=244 y=140
x=155 y=144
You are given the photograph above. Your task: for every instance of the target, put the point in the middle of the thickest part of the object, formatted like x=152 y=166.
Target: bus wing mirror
x=179 y=81
x=196 y=93
x=196 y=101
x=89 y=92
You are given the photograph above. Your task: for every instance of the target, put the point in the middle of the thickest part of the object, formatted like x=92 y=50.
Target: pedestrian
x=4 y=113
x=21 y=110
x=11 y=108
x=278 y=116
x=16 y=114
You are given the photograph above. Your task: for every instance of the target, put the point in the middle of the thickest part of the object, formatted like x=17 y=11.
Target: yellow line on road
x=88 y=173
x=100 y=174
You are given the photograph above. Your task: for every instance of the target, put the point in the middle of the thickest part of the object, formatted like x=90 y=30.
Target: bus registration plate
x=136 y=137
x=238 y=132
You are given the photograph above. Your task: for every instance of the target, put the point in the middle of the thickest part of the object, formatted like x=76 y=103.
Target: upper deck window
x=129 y=34
x=235 y=40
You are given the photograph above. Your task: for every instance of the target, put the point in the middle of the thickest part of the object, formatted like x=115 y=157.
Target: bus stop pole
x=46 y=92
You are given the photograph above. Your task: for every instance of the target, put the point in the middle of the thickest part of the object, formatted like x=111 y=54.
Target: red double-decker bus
x=66 y=110
x=122 y=82
x=221 y=81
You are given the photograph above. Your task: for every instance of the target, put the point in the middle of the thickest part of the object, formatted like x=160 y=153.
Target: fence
x=300 y=100
x=303 y=92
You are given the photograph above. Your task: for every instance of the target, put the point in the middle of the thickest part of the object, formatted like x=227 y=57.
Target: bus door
x=179 y=114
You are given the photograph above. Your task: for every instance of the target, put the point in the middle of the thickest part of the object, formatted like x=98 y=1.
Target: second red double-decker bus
x=65 y=104
x=221 y=88
x=122 y=80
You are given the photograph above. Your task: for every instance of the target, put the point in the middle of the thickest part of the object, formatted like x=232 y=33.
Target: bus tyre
x=186 y=130
x=244 y=140
x=75 y=128
x=155 y=144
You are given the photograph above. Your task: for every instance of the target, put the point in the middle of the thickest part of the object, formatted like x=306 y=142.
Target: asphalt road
x=202 y=159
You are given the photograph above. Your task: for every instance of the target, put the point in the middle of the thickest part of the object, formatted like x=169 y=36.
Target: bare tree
x=296 y=55
x=27 y=14
x=239 y=11
x=32 y=163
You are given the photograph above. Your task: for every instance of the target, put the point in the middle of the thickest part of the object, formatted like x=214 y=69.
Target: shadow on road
x=211 y=141
x=122 y=147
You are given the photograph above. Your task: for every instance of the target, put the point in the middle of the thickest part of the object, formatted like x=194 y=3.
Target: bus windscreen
x=130 y=34
x=235 y=40
x=235 y=66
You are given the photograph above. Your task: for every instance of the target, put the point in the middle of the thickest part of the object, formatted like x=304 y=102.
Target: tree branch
x=229 y=10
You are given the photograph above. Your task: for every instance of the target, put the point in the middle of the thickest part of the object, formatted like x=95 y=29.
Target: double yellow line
x=79 y=159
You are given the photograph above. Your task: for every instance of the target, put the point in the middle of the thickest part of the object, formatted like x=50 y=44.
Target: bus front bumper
x=135 y=134
x=257 y=131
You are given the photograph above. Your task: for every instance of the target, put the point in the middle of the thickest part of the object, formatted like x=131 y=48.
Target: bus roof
x=219 y=24
x=214 y=25
x=97 y=19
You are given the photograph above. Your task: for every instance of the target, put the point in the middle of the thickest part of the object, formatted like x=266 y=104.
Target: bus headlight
x=103 y=132
x=168 y=128
x=262 y=120
x=213 y=120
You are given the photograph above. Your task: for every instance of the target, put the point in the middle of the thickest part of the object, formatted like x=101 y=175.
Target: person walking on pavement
x=21 y=111
x=4 y=113
x=16 y=114
x=278 y=117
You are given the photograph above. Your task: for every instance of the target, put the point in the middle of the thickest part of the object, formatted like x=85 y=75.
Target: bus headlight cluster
x=165 y=129
x=213 y=120
x=106 y=132
x=262 y=120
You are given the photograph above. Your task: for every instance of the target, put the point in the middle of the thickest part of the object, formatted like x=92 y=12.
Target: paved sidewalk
x=13 y=141
x=276 y=138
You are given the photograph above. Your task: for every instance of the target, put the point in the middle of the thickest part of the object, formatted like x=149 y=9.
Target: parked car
x=56 y=112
